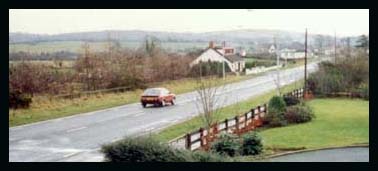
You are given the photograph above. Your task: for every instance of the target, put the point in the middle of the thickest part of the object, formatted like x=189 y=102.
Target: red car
x=157 y=96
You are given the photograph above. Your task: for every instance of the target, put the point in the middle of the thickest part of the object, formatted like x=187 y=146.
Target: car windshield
x=152 y=92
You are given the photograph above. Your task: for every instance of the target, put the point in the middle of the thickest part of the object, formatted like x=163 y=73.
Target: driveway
x=350 y=154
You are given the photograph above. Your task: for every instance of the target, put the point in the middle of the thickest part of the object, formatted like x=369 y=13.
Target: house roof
x=234 y=58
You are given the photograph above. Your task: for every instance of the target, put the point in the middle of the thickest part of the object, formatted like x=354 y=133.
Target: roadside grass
x=338 y=122
x=182 y=128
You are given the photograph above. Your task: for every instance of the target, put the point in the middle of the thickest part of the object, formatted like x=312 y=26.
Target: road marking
x=70 y=154
x=76 y=129
x=149 y=129
x=138 y=114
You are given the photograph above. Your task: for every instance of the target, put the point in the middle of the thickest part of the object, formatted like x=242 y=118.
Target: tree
x=363 y=42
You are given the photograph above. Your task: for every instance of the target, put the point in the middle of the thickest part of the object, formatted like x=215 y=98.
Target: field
x=76 y=46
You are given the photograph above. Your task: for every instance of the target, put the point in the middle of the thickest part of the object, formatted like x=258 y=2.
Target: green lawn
x=179 y=129
x=338 y=122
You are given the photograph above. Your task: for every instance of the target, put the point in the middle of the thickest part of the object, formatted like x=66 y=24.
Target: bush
x=299 y=113
x=227 y=144
x=277 y=104
x=291 y=100
x=275 y=116
x=252 y=144
x=19 y=100
x=202 y=156
x=141 y=150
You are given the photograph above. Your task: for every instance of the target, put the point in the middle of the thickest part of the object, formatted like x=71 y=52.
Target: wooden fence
x=86 y=93
x=201 y=138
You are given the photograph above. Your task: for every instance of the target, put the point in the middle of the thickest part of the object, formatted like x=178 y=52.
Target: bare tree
x=208 y=102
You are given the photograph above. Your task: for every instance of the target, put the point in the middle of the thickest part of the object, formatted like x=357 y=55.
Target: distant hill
x=260 y=36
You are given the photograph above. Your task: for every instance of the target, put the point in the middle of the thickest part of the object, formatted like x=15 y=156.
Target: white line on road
x=76 y=129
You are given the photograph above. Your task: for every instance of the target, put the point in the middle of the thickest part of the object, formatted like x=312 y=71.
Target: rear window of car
x=152 y=92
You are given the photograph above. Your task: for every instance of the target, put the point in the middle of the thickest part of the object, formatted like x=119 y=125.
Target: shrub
x=227 y=144
x=299 y=113
x=276 y=104
x=141 y=150
x=202 y=156
x=291 y=100
x=252 y=144
x=275 y=116
x=18 y=100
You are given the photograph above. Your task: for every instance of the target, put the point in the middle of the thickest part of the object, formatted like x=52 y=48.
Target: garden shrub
x=226 y=144
x=276 y=109
x=252 y=144
x=291 y=100
x=299 y=113
x=202 y=156
x=141 y=150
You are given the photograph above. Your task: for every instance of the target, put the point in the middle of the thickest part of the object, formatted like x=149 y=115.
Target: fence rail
x=201 y=138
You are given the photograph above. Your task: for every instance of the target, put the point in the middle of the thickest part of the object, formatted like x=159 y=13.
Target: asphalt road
x=79 y=137
x=355 y=154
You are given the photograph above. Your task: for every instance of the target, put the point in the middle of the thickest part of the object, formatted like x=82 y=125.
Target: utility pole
x=224 y=70
x=305 y=65
x=275 y=50
x=348 y=46
x=335 y=46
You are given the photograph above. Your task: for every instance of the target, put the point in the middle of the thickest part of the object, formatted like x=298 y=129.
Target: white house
x=294 y=54
x=272 y=49
x=222 y=54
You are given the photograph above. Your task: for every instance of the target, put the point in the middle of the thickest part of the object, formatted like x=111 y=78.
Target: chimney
x=211 y=44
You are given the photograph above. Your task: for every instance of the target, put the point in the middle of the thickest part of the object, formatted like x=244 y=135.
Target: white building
x=294 y=54
x=222 y=54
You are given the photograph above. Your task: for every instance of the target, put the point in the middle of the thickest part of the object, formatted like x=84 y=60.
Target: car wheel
x=162 y=103
x=173 y=102
x=144 y=105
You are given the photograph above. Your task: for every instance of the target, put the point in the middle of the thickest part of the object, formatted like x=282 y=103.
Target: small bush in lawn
x=299 y=114
x=227 y=144
x=291 y=100
x=277 y=104
x=141 y=150
x=276 y=109
x=252 y=144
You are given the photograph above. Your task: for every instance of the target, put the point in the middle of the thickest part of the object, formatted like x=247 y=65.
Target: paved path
x=351 y=154
x=79 y=137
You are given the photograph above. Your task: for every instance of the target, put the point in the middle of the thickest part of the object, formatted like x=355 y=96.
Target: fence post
x=237 y=124
x=245 y=120
x=265 y=109
x=201 y=136
x=226 y=123
x=188 y=142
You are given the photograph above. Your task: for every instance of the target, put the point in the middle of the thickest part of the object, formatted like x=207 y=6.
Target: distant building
x=272 y=49
x=294 y=54
x=222 y=53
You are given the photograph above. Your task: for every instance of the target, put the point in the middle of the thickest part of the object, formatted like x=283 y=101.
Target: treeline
x=115 y=67
x=60 y=55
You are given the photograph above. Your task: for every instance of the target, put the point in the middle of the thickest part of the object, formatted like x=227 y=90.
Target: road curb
x=309 y=150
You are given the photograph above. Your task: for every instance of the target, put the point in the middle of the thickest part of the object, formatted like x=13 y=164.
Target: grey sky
x=344 y=22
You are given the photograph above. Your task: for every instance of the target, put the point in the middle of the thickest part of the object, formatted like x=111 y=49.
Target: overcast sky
x=344 y=22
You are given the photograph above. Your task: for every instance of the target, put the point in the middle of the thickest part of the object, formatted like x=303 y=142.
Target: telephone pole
x=335 y=47
x=305 y=65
